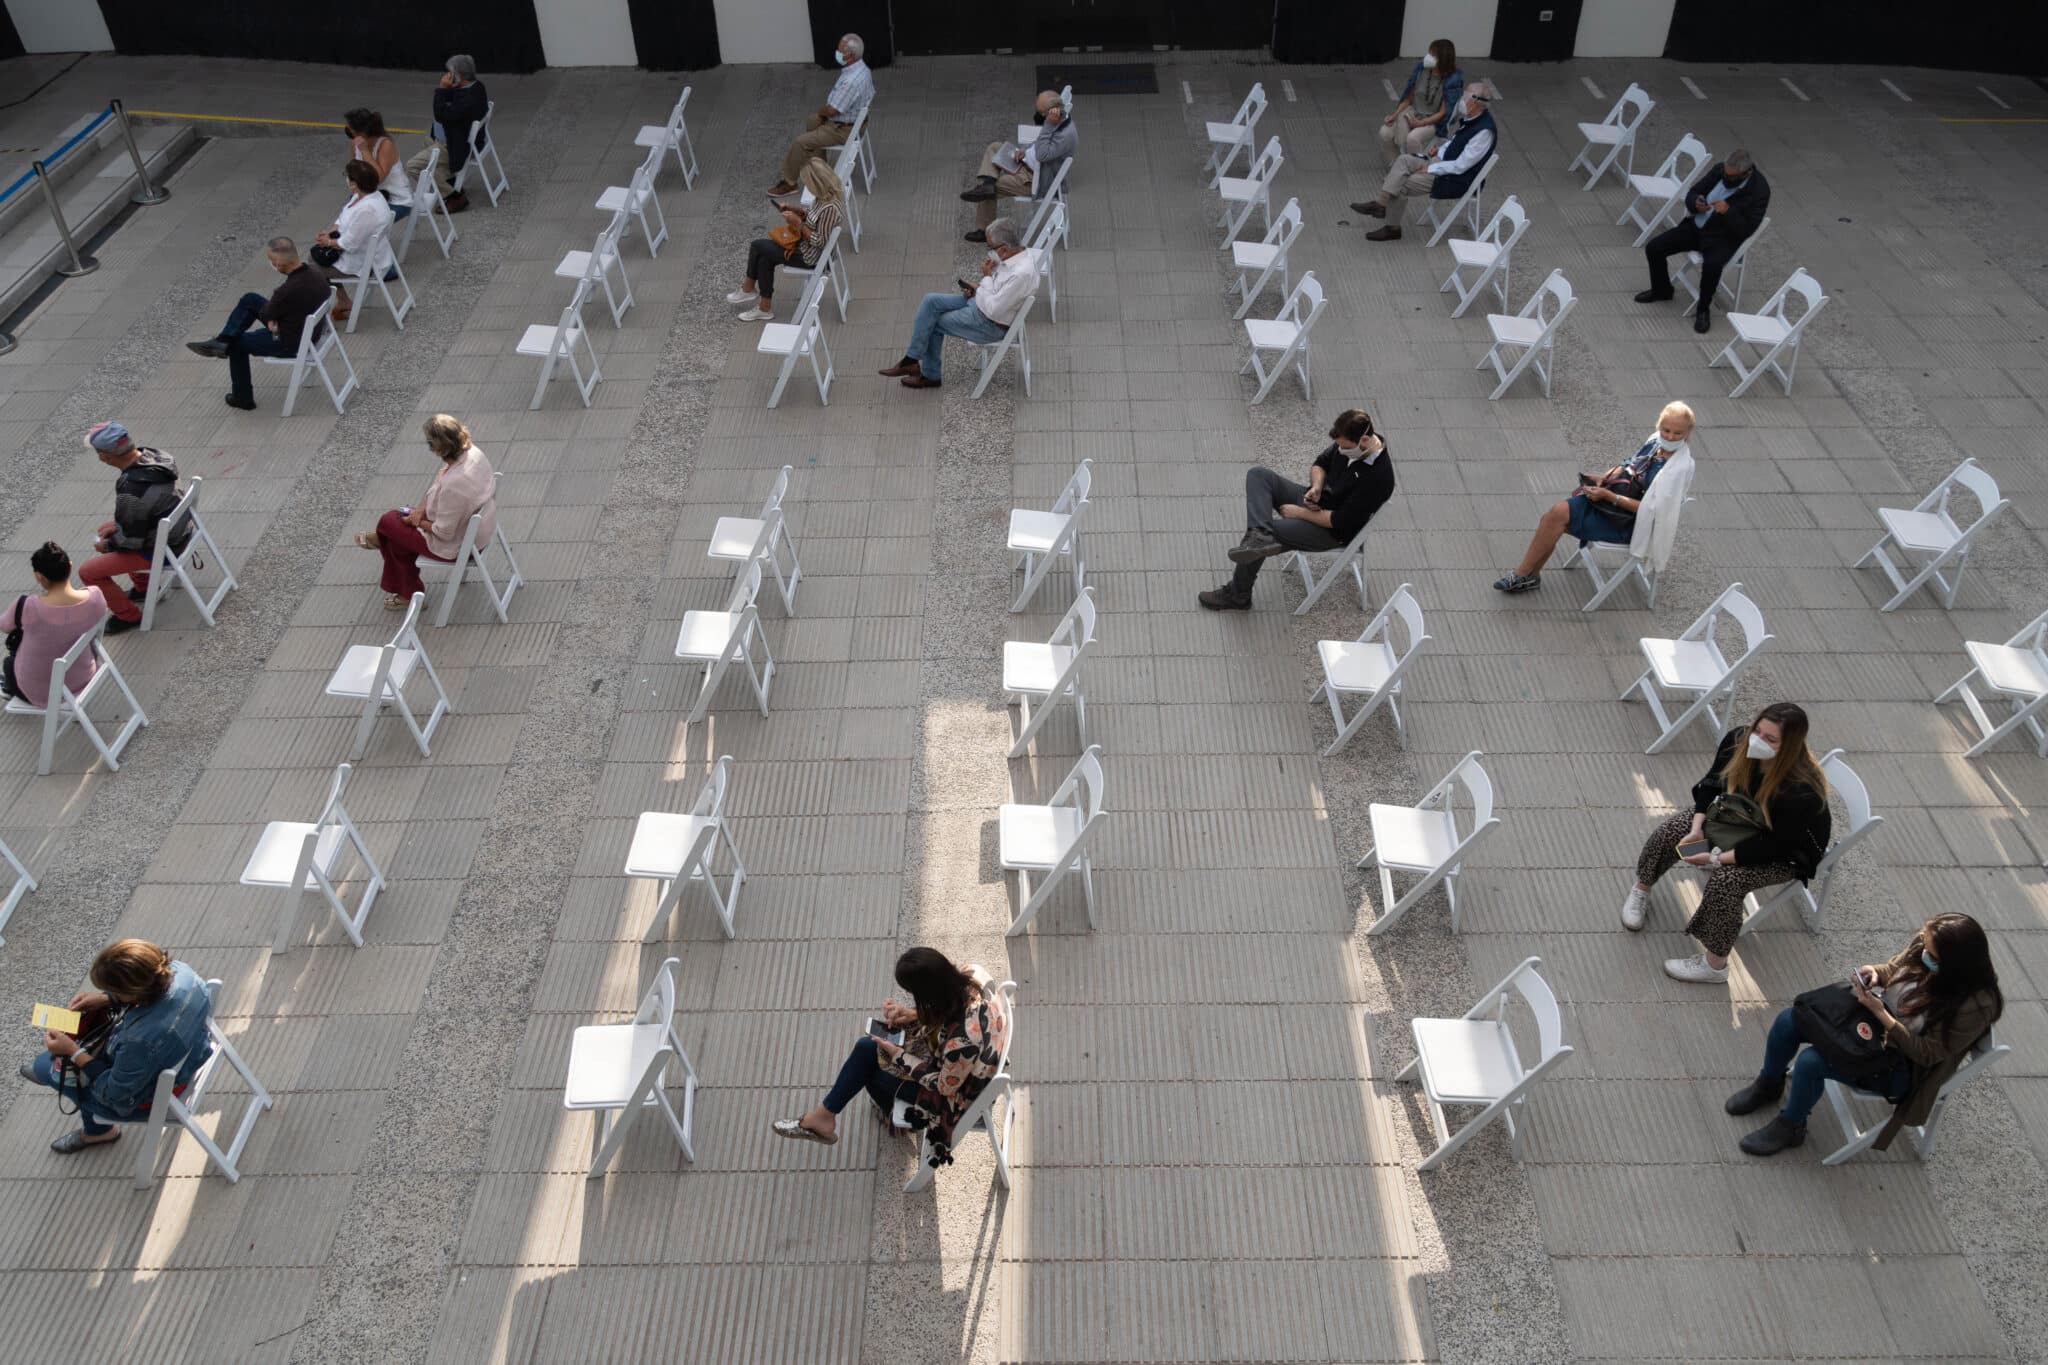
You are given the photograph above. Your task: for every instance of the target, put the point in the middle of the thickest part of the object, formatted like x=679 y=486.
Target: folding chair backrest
x=1054 y=222
x=843 y=161
x=1076 y=492
x=808 y=327
x=777 y=491
x=482 y=126
x=1845 y=783
x=1507 y=225
x=332 y=813
x=1982 y=1056
x=1287 y=225
x=1078 y=625
x=1403 y=605
x=658 y=1005
x=1054 y=194
x=1268 y=163
x=1742 y=252
x=1478 y=786
x=1306 y=300
x=1086 y=779
x=2033 y=635
x=1556 y=292
x=1253 y=108
x=423 y=188
x=1528 y=983
x=1737 y=604
x=408 y=635
x=1631 y=109
x=1693 y=153
x=572 y=317
x=745 y=586
x=1982 y=486
x=675 y=115
x=1807 y=288
x=1067 y=99
x=181 y=515
x=710 y=801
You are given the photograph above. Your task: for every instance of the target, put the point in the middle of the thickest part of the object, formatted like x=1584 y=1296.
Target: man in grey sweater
x=1032 y=171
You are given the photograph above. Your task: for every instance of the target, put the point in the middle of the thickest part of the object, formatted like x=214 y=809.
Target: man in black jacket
x=1723 y=208
x=459 y=101
x=268 y=327
x=144 y=494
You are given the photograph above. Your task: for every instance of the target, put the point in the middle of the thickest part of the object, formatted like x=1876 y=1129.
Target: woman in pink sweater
x=434 y=528
x=50 y=622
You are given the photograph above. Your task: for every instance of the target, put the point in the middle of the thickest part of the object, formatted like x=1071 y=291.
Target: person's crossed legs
x=938 y=317
x=1267 y=534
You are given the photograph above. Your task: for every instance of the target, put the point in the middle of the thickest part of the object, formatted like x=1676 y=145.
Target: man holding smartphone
x=1725 y=206
x=980 y=312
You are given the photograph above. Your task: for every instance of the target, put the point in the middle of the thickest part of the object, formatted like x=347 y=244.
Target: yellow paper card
x=52 y=1017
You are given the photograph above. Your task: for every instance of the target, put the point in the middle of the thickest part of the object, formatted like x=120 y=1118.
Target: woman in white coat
x=354 y=229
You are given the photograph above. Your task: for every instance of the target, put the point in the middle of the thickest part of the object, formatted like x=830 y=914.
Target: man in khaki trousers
x=832 y=122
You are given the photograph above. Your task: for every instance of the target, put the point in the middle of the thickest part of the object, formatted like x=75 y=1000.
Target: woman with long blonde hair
x=798 y=242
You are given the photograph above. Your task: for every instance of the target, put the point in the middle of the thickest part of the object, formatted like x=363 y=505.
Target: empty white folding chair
x=170 y=569
x=67 y=708
x=719 y=639
x=1531 y=333
x=803 y=339
x=1226 y=140
x=980 y=1116
x=1016 y=337
x=1049 y=841
x=1038 y=539
x=843 y=167
x=1611 y=137
x=762 y=539
x=1772 y=334
x=1240 y=194
x=1369 y=669
x=1736 y=269
x=1983 y=1055
x=1812 y=897
x=1474 y=1060
x=1048 y=263
x=678 y=849
x=1928 y=538
x=1286 y=338
x=483 y=158
x=674 y=136
x=1694 y=667
x=596 y=267
x=473 y=556
x=1490 y=254
x=377 y=676
x=1268 y=257
x=1444 y=214
x=319 y=342
x=623 y=1069
x=831 y=267
x=1350 y=559
x=1055 y=193
x=1047 y=673
x=637 y=197
x=427 y=203
x=2015 y=673
x=375 y=282
x=23 y=884
x=1660 y=195
x=567 y=342
x=171 y=1106
x=1425 y=839
x=296 y=856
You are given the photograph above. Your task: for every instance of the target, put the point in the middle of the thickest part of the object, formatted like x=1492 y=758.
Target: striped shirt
x=851 y=92
x=817 y=227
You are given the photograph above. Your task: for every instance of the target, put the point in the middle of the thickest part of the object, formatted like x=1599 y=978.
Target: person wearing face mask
x=1349 y=482
x=831 y=123
x=1634 y=504
x=1434 y=89
x=1032 y=170
x=1443 y=170
x=1759 y=818
x=1932 y=1004
x=980 y=312
x=1724 y=207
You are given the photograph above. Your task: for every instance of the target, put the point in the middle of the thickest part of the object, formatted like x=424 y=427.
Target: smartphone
x=882 y=1031
x=1693 y=848
x=1587 y=480
x=965 y=287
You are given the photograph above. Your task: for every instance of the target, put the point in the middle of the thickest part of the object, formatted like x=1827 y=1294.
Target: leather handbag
x=1846 y=1035
x=786 y=236
x=1733 y=817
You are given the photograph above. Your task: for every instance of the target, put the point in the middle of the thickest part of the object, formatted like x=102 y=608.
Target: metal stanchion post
x=148 y=194
x=81 y=264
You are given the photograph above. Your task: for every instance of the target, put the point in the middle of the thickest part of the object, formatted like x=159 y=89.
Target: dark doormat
x=1116 y=78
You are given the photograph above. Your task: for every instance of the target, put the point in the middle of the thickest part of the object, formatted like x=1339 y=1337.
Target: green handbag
x=1731 y=818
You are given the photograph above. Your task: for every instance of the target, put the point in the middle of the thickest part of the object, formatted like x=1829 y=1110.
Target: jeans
x=1811 y=1072
x=91 y=1117
x=246 y=337
x=1685 y=237
x=947 y=315
x=1265 y=493
x=402 y=546
x=863 y=1071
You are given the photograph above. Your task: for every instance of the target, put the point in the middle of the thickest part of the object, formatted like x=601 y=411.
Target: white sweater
x=1656 y=528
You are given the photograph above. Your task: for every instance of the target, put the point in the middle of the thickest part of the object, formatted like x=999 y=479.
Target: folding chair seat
x=483 y=158
x=375 y=281
x=680 y=849
x=674 y=136
x=719 y=639
x=1037 y=539
x=171 y=1106
x=559 y=345
x=1048 y=265
x=981 y=1115
x=1466 y=208
x=1489 y=253
x=1474 y=1060
x=1928 y=538
x=2015 y=673
x=594 y=269
x=1051 y=840
x=319 y=342
x=1268 y=257
x=67 y=708
x=1771 y=334
x=1286 y=338
x=1425 y=839
x=176 y=567
x=623 y=1069
x=831 y=266
x=1046 y=673
x=1055 y=193
x=1241 y=194
x=377 y=676
x=636 y=197
x=296 y=857
x=1694 y=666
x=1613 y=135
x=1812 y=897
x=473 y=556
x=1984 y=1055
x=1350 y=559
x=1662 y=194
x=1737 y=268
x=803 y=339
x=748 y=540
x=1532 y=332
x=1226 y=140
x=428 y=204
x=989 y=356
x=23 y=884
x=1369 y=668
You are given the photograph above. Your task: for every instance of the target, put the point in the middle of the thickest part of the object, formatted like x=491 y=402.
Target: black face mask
x=1038 y=119
x=1734 y=184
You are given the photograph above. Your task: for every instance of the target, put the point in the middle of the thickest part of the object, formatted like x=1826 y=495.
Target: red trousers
x=100 y=572
x=402 y=547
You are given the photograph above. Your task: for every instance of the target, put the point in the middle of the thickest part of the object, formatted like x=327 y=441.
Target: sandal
x=396 y=603
x=76 y=1141
x=369 y=540
x=794 y=1128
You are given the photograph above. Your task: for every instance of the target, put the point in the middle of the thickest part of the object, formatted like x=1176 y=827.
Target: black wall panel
x=674 y=35
x=1535 y=30
x=950 y=26
x=10 y=40
x=502 y=35
x=833 y=19
x=2010 y=37
x=1345 y=31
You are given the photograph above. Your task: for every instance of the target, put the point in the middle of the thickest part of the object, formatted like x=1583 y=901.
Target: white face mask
x=1760 y=751
x=839 y=57
x=1429 y=61
x=1667 y=446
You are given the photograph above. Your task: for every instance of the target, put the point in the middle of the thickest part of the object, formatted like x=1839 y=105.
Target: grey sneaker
x=1258 y=544
x=1518 y=582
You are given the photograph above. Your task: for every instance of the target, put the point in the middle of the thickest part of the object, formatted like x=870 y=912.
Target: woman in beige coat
x=434 y=528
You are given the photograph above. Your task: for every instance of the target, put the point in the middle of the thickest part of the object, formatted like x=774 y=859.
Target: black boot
x=1774 y=1137
x=1754 y=1096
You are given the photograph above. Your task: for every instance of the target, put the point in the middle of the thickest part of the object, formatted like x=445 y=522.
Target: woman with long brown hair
x=1434 y=88
x=1759 y=818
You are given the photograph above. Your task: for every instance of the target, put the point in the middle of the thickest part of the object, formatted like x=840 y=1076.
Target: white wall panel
x=1467 y=23
x=1624 y=28
x=765 y=31
x=60 y=25
x=586 y=32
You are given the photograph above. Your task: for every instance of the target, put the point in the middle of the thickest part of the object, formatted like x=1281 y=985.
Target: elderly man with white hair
x=459 y=101
x=1010 y=171
x=981 y=312
x=831 y=123
x=1442 y=171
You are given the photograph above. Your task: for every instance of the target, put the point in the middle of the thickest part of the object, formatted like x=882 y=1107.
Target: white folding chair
x=177 y=566
x=483 y=157
x=867 y=148
x=1017 y=336
x=2015 y=673
x=1613 y=135
x=1737 y=267
x=1350 y=559
x=1046 y=673
x=1369 y=667
x=23 y=884
x=980 y=1116
x=831 y=266
x=719 y=639
x=426 y=200
x=1984 y=1055
x=169 y=1107
x=1424 y=839
x=803 y=339
x=1048 y=267
x=1532 y=331
x=1771 y=334
x=677 y=849
x=1287 y=336
x=762 y=539
x=1812 y=897
x=1268 y=257
x=67 y=708
x=1052 y=840
x=623 y=1069
x=1474 y=1060
x=377 y=676
x=1663 y=192
x=636 y=197
x=1055 y=193
x=319 y=342
x=374 y=281
x=1226 y=140
x=475 y=556
x=1466 y=208
x=1607 y=578
x=594 y=268
x=1490 y=253
x=1037 y=538
x=1694 y=666
x=674 y=136
x=558 y=345
x=1928 y=537
x=843 y=167
x=1240 y=194
x=296 y=857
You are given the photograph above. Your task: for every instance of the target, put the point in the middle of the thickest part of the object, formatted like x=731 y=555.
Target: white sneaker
x=756 y=315
x=1695 y=969
x=740 y=296
x=1634 y=908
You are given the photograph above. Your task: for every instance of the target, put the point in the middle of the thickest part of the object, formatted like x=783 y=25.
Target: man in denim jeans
x=980 y=313
x=266 y=327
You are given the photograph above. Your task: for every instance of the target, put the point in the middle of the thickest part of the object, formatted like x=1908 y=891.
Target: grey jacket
x=144 y=494
x=1053 y=146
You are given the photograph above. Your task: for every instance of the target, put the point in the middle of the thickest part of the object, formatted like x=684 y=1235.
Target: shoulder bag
x=1846 y=1035
x=7 y=683
x=1733 y=817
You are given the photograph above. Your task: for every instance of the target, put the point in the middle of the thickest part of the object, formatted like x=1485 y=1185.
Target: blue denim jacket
x=168 y=1032
x=1454 y=90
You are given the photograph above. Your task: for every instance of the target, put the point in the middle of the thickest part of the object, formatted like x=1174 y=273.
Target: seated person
x=460 y=101
x=812 y=226
x=980 y=312
x=50 y=623
x=1444 y=170
x=1349 y=481
x=831 y=123
x=1034 y=166
x=1728 y=203
x=145 y=492
x=1434 y=89
x=266 y=327
x=1608 y=507
x=463 y=487
x=348 y=240
x=111 y=1076
x=367 y=141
